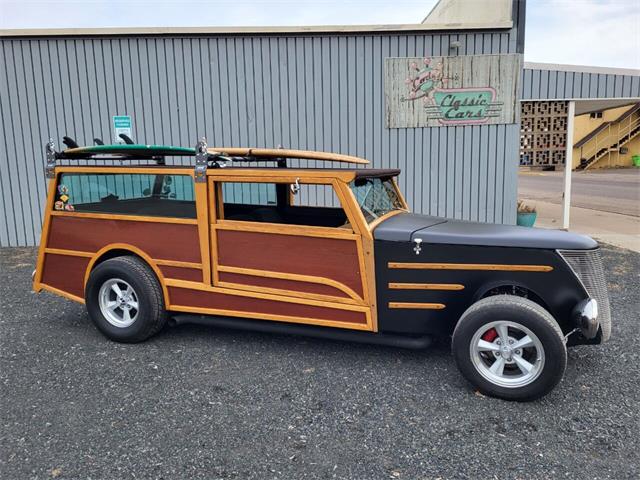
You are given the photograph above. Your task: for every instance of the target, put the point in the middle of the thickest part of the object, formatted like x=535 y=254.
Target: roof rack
x=204 y=156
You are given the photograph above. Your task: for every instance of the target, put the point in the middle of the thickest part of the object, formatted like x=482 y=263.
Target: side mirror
x=146 y=192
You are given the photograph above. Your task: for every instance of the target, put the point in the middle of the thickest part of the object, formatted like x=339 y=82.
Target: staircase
x=609 y=137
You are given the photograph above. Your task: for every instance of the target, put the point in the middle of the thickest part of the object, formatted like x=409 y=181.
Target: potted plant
x=526 y=214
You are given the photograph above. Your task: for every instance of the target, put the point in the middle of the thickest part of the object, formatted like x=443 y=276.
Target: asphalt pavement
x=198 y=402
x=607 y=190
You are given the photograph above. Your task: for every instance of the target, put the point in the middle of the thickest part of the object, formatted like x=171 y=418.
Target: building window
x=595 y=115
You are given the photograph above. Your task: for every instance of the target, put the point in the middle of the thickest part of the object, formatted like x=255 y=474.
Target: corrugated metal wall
x=319 y=92
x=543 y=84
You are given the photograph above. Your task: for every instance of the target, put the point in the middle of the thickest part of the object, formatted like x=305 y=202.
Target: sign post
x=121 y=124
x=568 y=165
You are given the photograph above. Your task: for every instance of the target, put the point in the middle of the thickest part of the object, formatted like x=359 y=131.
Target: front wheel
x=510 y=347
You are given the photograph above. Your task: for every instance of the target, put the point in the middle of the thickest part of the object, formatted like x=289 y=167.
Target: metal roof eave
x=256 y=30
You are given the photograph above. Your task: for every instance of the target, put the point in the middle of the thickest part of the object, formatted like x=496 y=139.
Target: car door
x=274 y=237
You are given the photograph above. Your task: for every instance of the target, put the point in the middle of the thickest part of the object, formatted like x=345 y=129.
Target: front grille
x=587 y=265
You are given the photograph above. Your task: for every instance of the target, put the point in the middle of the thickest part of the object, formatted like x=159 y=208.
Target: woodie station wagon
x=241 y=238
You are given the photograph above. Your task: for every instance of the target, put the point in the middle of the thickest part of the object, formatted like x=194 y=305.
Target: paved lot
x=209 y=403
x=607 y=190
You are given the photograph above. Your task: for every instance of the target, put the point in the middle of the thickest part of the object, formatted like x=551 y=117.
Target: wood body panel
x=333 y=258
x=170 y=241
x=65 y=273
x=249 y=305
x=190 y=274
x=281 y=283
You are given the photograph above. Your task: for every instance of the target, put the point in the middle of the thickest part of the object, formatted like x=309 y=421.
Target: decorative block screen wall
x=543 y=133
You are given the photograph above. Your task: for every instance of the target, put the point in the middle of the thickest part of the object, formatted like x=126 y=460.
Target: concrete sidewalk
x=612 y=228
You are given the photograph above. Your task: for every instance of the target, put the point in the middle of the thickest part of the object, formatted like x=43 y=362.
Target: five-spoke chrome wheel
x=507 y=354
x=118 y=303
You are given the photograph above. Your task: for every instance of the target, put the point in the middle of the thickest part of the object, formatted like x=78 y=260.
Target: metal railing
x=609 y=139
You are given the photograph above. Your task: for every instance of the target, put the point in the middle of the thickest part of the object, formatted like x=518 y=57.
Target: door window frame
x=341 y=189
x=359 y=232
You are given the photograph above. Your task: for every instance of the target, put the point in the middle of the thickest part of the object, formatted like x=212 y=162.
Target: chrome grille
x=587 y=265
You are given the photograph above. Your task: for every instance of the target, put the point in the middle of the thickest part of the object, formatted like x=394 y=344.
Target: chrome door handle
x=418 y=247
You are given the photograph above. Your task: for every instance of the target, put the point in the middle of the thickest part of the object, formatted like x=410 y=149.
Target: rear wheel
x=510 y=347
x=124 y=300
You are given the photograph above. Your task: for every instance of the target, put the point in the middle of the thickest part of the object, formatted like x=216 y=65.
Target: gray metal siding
x=542 y=84
x=318 y=92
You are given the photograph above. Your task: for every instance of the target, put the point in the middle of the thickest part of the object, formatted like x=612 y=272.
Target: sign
x=449 y=91
x=121 y=124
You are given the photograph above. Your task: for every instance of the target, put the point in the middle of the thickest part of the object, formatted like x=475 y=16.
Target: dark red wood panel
x=180 y=273
x=332 y=258
x=197 y=298
x=279 y=283
x=166 y=241
x=65 y=273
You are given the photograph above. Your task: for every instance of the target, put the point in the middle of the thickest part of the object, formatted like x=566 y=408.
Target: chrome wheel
x=118 y=303
x=507 y=354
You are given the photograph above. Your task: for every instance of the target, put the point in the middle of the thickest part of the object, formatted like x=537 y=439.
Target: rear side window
x=155 y=195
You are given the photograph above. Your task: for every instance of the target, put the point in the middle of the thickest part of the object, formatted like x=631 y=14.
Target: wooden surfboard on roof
x=286 y=153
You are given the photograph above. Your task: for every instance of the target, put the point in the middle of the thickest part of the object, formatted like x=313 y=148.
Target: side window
x=310 y=205
x=127 y=194
x=249 y=193
x=315 y=196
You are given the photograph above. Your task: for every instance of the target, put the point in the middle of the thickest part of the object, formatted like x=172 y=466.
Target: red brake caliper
x=490 y=335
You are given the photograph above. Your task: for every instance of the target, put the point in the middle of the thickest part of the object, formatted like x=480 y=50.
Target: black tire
x=525 y=313
x=151 y=316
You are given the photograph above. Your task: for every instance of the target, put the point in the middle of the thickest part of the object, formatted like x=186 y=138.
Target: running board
x=340 y=334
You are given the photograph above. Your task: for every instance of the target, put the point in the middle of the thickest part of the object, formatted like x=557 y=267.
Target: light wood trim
x=284 y=153
x=218 y=200
x=350 y=204
x=137 y=251
x=70 y=253
x=426 y=286
x=216 y=212
x=44 y=236
x=294 y=277
x=288 y=293
x=370 y=278
x=248 y=174
x=131 y=218
x=278 y=318
x=471 y=266
x=202 y=214
x=382 y=218
x=400 y=194
x=151 y=170
x=282 y=177
x=157 y=261
x=284 y=229
x=421 y=306
x=171 y=282
x=62 y=293
x=178 y=263
x=366 y=258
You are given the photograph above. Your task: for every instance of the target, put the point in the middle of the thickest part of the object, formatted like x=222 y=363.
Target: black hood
x=407 y=227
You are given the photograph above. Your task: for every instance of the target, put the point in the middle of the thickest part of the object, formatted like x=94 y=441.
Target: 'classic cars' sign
x=440 y=91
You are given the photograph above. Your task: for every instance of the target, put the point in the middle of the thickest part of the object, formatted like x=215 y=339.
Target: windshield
x=376 y=196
